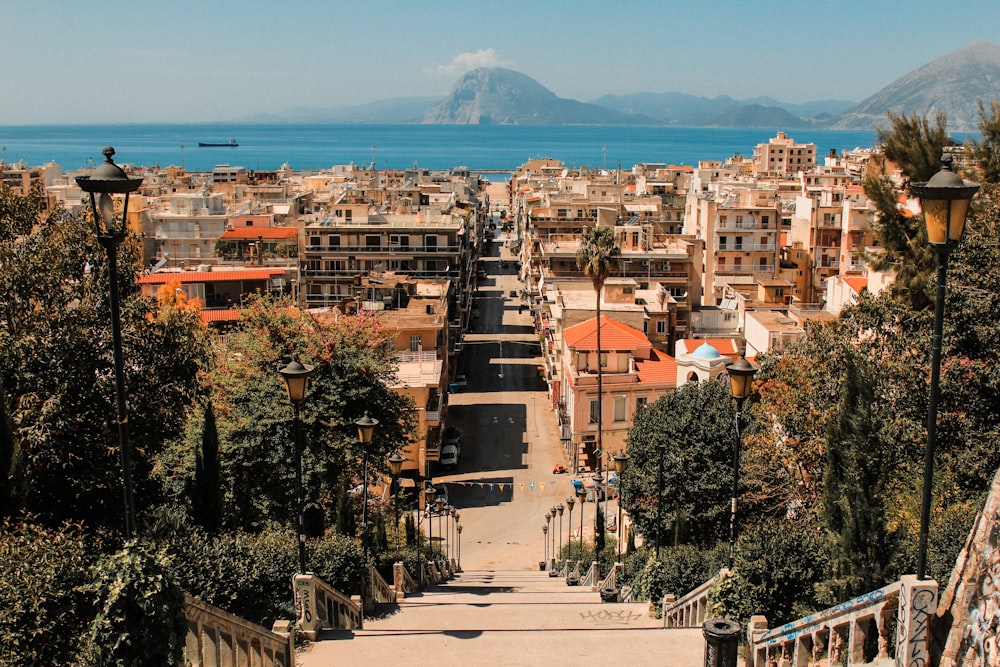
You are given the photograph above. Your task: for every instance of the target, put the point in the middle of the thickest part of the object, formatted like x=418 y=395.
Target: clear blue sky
x=220 y=60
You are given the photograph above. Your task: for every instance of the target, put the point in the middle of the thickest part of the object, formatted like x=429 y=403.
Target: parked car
x=461 y=382
x=449 y=456
x=451 y=432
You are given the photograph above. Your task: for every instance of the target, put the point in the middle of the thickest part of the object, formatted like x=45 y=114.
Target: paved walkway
x=510 y=618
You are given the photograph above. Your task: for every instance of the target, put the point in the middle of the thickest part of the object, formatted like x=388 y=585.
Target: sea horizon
x=265 y=147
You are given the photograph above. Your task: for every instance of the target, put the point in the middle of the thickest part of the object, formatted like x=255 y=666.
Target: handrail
x=319 y=606
x=592 y=576
x=212 y=630
x=611 y=581
x=403 y=581
x=840 y=632
x=383 y=592
x=691 y=609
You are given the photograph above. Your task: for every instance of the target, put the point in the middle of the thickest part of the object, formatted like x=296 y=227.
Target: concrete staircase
x=510 y=618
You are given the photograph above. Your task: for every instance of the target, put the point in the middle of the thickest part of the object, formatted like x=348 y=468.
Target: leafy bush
x=43 y=605
x=776 y=567
x=140 y=620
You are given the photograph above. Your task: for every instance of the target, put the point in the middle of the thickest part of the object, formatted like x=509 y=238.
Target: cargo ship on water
x=229 y=144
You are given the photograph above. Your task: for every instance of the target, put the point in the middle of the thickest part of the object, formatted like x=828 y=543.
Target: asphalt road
x=504 y=482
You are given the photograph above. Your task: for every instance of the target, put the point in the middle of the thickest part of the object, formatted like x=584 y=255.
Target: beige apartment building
x=781 y=155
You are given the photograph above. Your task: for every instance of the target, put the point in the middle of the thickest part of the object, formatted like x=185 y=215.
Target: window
x=593 y=411
x=661 y=327
x=581 y=362
x=604 y=359
x=373 y=240
x=314 y=240
x=333 y=240
x=620 y=404
x=723 y=240
x=765 y=220
x=348 y=214
x=415 y=342
x=640 y=403
x=738 y=243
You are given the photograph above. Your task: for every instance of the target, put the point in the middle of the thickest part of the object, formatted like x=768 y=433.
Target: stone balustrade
x=691 y=610
x=381 y=590
x=216 y=638
x=593 y=576
x=844 y=634
x=318 y=606
x=402 y=582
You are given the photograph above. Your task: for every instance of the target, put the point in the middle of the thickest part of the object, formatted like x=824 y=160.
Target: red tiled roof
x=220 y=315
x=265 y=232
x=660 y=368
x=856 y=283
x=208 y=276
x=614 y=336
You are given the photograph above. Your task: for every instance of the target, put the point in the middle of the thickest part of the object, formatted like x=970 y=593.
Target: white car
x=449 y=456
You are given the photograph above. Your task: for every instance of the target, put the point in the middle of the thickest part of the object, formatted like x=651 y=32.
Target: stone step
x=515 y=617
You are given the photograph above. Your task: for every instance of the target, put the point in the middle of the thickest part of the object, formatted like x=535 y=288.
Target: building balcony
x=385 y=250
x=745 y=247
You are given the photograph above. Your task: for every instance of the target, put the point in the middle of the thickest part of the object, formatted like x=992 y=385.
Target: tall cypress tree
x=853 y=508
x=206 y=492
x=9 y=464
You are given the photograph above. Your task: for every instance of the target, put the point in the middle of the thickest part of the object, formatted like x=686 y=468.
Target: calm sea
x=501 y=147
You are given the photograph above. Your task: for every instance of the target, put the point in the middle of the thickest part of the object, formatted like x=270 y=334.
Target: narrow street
x=504 y=483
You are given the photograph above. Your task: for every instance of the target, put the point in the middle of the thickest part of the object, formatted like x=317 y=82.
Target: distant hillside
x=953 y=84
x=497 y=96
x=670 y=108
x=755 y=115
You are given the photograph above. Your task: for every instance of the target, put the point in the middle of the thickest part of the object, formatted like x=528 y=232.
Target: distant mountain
x=497 y=96
x=952 y=84
x=756 y=115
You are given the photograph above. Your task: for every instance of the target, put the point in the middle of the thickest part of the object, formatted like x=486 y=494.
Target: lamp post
x=366 y=426
x=581 y=493
x=449 y=513
x=439 y=505
x=545 y=543
x=455 y=516
x=110 y=179
x=552 y=551
x=598 y=488
x=569 y=528
x=621 y=463
x=297 y=381
x=396 y=467
x=459 y=529
x=429 y=493
x=560 y=508
x=945 y=202
x=741 y=374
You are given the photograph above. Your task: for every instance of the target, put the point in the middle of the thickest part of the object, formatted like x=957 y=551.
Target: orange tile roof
x=220 y=315
x=265 y=232
x=614 y=336
x=856 y=283
x=208 y=276
x=660 y=368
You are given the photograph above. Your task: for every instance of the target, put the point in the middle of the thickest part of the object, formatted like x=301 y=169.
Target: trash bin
x=722 y=641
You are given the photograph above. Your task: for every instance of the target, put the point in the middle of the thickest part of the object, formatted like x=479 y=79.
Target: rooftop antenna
x=373 y=158
x=4 y=160
x=605 y=163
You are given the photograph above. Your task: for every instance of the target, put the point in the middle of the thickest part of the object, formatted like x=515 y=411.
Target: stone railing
x=216 y=637
x=691 y=610
x=840 y=634
x=321 y=607
x=402 y=582
x=383 y=592
x=593 y=576
x=611 y=581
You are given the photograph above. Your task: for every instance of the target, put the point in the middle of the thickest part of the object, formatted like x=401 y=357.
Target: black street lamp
x=429 y=493
x=459 y=529
x=545 y=544
x=621 y=463
x=659 y=499
x=598 y=488
x=455 y=516
x=945 y=202
x=552 y=551
x=741 y=374
x=560 y=509
x=439 y=505
x=110 y=179
x=366 y=427
x=297 y=381
x=581 y=493
x=396 y=467
x=569 y=528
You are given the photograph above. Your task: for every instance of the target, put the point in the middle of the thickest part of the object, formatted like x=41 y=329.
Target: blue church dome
x=706 y=351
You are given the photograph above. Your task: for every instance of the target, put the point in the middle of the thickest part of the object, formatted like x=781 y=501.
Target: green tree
x=915 y=145
x=986 y=151
x=353 y=375
x=56 y=365
x=598 y=256
x=140 y=619
x=206 y=492
x=692 y=429
x=862 y=545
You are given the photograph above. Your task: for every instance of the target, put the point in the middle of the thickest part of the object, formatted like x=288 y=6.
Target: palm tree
x=599 y=256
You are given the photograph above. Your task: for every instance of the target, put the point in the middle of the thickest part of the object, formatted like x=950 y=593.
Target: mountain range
x=952 y=84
